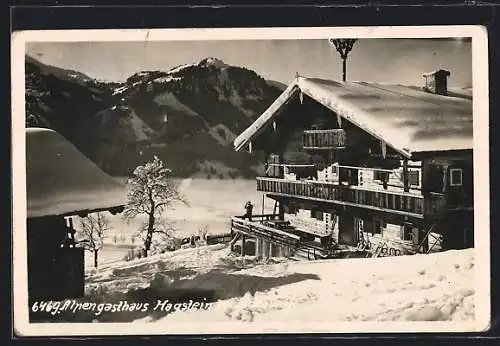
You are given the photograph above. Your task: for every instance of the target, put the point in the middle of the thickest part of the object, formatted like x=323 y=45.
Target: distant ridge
x=187 y=115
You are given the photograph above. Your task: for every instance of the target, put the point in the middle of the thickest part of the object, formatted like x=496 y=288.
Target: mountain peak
x=206 y=62
x=211 y=61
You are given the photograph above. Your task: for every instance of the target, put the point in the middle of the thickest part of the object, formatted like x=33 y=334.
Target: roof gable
x=407 y=118
x=258 y=125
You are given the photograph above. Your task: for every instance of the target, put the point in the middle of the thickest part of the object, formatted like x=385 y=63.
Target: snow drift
x=438 y=287
x=249 y=291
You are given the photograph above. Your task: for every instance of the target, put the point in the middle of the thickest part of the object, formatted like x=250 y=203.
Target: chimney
x=437 y=82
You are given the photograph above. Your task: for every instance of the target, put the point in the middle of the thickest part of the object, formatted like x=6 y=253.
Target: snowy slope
x=253 y=293
x=436 y=288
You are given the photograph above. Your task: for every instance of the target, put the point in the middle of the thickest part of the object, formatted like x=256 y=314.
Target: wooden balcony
x=323 y=139
x=387 y=201
x=256 y=228
x=286 y=236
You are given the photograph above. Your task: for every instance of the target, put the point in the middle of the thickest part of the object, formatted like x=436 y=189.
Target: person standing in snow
x=248 y=209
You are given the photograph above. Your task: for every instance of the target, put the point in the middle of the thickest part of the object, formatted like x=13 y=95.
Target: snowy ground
x=408 y=288
x=435 y=287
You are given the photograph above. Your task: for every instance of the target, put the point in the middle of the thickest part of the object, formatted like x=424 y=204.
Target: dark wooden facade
x=434 y=193
x=55 y=263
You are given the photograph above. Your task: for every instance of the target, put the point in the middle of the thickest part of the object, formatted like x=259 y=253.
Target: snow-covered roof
x=60 y=180
x=427 y=74
x=407 y=118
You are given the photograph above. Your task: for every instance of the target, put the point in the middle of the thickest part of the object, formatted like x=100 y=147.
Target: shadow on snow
x=174 y=287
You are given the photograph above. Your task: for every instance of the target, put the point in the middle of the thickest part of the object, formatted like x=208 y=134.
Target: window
x=335 y=169
x=317 y=214
x=407 y=232
x=292 y=209
x=378 y=175
x=456 y=177
x=414 y=177
x=383 y=177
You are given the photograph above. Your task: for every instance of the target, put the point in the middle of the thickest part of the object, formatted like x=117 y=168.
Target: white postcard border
x=481 y=179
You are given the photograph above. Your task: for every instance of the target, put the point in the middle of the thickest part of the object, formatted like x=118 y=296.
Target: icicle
x=274 y=126
x=384 y=148
x=250 y=147
x=339 y=120
x=301 y=97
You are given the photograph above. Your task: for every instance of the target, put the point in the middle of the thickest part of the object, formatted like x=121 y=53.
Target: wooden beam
x=243 y=245
x=281 y=211
x=323 y=148
x=348 y=204
x=367 y=168
x=406 y=180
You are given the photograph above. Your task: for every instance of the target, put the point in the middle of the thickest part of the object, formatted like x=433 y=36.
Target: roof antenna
x=343 y=47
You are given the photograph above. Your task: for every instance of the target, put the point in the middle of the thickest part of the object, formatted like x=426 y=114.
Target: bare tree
x=93 y=231
x=162 y=238
x=151 y=190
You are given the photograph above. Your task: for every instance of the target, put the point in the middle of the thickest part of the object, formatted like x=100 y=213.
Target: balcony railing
x=391 y=201
x=274 y=235
x=278 y=236
x=324 y=139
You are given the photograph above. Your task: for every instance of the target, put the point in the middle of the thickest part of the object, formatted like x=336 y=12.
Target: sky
x=379 y=60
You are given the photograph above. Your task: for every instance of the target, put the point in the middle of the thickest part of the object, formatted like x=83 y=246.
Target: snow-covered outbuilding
x=61 y=182
x=361 y=155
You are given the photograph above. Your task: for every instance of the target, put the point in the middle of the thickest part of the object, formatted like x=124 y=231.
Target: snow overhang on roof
x=61 y=181
x=406 y=118
x=427 y=74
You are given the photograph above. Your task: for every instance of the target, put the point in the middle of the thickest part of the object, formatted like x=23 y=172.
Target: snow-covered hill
x=190 y=111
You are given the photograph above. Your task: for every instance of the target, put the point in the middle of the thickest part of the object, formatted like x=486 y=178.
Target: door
x=435 y=179
x=348 y=230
